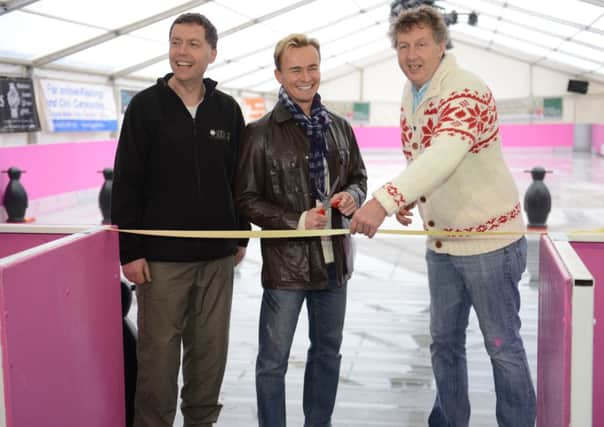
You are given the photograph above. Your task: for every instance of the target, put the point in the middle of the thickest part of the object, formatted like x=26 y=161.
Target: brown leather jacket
x=272 y=191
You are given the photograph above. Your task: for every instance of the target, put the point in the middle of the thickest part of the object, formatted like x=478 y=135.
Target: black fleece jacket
x=175 y=172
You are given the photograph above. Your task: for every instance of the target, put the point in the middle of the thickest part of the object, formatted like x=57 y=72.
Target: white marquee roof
x=128 y=38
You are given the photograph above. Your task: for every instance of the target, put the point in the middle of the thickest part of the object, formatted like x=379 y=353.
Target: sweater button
x=438 y=244
x=431 y=223
x=422 y=199
x=414 y=145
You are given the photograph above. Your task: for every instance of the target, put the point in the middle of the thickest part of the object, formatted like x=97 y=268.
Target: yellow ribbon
x=280 y=234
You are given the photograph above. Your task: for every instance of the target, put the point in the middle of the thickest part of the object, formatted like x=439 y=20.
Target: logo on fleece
x=220 y=135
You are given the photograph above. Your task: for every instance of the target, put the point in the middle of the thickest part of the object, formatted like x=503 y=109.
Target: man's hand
x=368 y=218
x=137 y=271
x=315 y=219
x=344 y=202
x=404 y=214
x=240 y=254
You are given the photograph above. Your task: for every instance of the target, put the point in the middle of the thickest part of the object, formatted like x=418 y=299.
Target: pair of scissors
x=325 y=198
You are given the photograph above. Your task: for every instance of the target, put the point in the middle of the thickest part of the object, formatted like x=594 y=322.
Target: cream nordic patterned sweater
x=456 y=172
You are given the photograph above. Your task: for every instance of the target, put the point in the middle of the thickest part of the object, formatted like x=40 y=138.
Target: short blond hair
x=419 y=16
x=293 y=40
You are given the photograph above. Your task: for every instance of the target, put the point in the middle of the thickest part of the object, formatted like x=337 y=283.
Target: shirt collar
x=418 y=94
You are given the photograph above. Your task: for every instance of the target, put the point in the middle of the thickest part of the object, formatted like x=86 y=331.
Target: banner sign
x=360 y=113
x=552 y=108
x=253 y=108
x=126 y=96
x=18 y=111
x=78 y=107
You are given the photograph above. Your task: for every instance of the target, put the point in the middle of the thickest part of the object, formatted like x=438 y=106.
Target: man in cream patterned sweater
x=457 y=176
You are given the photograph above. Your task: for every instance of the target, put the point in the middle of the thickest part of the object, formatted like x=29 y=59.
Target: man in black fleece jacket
x=174 y=169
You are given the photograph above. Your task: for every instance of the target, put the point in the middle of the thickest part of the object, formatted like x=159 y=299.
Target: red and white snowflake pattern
x=393 y=192
x=469 y=115
x=492 y=223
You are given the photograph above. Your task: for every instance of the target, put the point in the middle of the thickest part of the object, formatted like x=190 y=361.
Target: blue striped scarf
x=315 y=128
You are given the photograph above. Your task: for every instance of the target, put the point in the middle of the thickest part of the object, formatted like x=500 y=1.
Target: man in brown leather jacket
x=295 y=157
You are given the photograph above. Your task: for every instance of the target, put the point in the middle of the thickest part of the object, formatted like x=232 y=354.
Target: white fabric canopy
x=129 y=39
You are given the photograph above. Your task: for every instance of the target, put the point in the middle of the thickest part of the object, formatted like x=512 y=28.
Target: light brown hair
x=419 y=16
x=293 y=40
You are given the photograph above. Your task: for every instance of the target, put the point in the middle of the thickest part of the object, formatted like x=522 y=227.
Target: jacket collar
x=281 y=113
x=447 y=65
x=209 y=83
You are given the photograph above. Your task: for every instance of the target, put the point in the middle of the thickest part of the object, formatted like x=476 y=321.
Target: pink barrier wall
x=62 y=335
x=545 y=135
x=11 y=243
x=57 y=168
x=554 y=334
x=541 y=135
x=597 y=138
x=378 y=137
x=592 y=255
x=62 y=168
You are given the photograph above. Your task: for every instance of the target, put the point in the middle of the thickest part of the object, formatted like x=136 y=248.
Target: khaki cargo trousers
x=189 y=304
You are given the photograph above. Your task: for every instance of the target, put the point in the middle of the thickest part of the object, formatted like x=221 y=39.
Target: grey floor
x=386 y=377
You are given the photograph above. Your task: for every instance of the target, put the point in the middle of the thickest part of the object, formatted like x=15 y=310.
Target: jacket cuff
x=302 y=222
x=131 y=248
x=129 y=257
x=386 y=200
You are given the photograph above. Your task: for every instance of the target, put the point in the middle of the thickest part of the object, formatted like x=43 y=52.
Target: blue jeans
x=278 y=319
x=489 y=283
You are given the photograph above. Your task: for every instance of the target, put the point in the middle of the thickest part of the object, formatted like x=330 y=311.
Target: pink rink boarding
x=61 y=330
x=60 y=297
x=53 y=169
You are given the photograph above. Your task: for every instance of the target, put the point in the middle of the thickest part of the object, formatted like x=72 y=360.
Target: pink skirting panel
x=61 y=334
x=554 y=339
x=11 y=243
x=592 y=255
